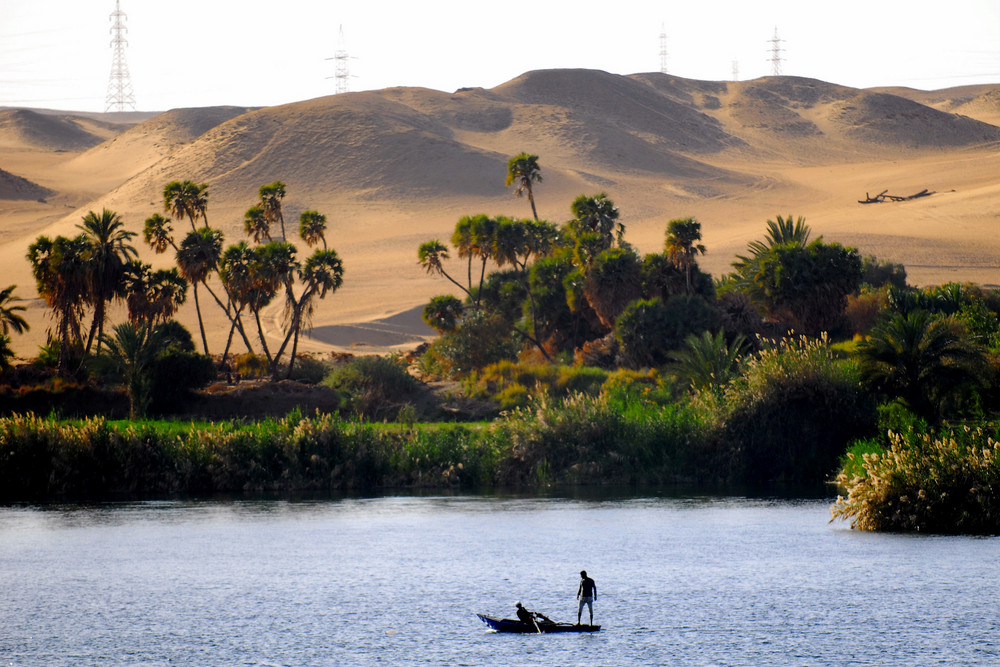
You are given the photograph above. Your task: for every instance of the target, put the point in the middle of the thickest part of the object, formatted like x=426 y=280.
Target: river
x=397 y=580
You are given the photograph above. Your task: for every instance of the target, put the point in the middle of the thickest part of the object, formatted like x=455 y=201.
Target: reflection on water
x=682 y=579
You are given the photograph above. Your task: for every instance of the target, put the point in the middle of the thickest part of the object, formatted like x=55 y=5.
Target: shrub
x=792 y=413
x=481 y=340
x=513 y=384
x=648 y=330
x=926 y=482
x=309 y=369
x=251 y=365
x=174 y=373
x=373 y=386
x=625 y=386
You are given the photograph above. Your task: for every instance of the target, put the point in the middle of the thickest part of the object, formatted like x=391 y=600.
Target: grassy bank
x=578 y=440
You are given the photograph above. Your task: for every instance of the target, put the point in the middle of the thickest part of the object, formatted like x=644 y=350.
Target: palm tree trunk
x=96 y=323
x=260 y=334
x=531 y=200
x=201 y=324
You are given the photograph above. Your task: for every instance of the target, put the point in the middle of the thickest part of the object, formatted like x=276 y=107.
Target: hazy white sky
x=183 y=53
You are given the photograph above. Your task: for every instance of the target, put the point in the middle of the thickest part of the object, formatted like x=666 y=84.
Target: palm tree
x=613 y=281
x=516 y=243
x=922 y=360
x=270 y=199
x=6 y=353
x=153 y=297
x=322 y=274
x=707 y=360
x=431 y=255
x=186 y=200
x=238 y=279
x=312 y=228
x=197 y=257
x=474 y=238
x=273 y=267
x=522 y=171
x=158 y=233
x=60 y=269
x=110 y=252
x=9 y=309
x=597 y=215
x=682 y=245
x=168 y=290
x=131 y=350
x=256 y=224
x=781 y=231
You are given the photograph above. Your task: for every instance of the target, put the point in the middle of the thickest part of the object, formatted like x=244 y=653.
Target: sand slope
x=395 y=167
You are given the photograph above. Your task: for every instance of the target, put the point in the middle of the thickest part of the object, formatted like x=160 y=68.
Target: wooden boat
x=510 y=625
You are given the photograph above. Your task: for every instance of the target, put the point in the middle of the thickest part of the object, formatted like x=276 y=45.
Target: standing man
x=586 y=594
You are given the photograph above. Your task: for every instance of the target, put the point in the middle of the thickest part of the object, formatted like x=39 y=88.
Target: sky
x=57 y=54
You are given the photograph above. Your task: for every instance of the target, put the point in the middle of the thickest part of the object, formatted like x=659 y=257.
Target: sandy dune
x=393 y=168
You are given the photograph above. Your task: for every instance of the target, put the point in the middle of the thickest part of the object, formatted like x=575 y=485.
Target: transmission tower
x=776 y=53
x=736 y=70
x=120 y=96
x=342 y=70
x=663 y=49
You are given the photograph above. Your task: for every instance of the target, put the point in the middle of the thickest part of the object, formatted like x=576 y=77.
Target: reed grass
x=926 y=482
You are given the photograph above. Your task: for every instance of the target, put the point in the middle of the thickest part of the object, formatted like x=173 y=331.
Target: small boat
x=544 y=626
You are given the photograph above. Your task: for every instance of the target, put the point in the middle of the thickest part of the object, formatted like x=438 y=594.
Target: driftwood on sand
x=883 y=197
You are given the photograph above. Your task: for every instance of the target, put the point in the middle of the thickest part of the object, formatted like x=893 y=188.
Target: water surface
x=397 y=580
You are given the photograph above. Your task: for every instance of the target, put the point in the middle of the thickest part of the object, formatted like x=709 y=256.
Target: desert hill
x=24 y=128
x=17 y=188
x=394 y=167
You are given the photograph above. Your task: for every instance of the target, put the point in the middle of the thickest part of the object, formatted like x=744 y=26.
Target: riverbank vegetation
x=564 y=357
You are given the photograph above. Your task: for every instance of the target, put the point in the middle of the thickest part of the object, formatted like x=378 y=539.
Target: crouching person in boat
x=530 y=617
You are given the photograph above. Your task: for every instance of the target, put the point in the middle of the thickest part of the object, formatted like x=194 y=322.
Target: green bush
x=174 y=373
x=927 y=482
x=372 y=386
x=515 y=383
x=649 y=329
x=481 y=340
x=309 y=369
x=792 y=413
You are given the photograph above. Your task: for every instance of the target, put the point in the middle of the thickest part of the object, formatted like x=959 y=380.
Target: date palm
x=10 y=309
x=922 y=360
x=60 y=269
x=131 y=350
x=197 y=257
x=781 y=231
x=110 y=251
x=522 y=172
x=6 y=353
x=707 y=360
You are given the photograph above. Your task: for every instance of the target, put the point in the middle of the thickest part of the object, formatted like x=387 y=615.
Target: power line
x=120 y=96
